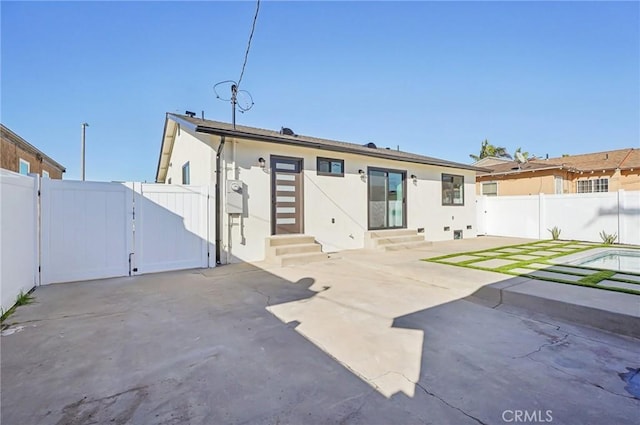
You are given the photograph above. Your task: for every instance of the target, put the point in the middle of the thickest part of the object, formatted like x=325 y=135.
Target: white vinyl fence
x=18 y=236
x=580 y=216
x=62 y=231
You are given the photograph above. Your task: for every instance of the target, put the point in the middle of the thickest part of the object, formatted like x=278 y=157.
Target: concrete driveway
x=363 y=338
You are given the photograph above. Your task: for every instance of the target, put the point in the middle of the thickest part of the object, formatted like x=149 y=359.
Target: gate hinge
x=38 y=192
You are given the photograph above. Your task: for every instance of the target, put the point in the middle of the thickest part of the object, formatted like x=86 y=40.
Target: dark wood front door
x=286 y=195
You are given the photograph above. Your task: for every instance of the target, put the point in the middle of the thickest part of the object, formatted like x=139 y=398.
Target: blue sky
x=435 y=78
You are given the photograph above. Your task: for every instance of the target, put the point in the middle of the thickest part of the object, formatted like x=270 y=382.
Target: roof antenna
x=240 y=98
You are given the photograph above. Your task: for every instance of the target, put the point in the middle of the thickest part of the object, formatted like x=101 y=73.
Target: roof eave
x=306 y=143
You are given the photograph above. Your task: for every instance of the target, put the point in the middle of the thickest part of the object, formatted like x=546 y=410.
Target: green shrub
x=555 y=233
x=608 y=239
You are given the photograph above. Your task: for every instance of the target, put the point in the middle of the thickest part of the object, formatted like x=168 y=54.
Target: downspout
x=218 y=200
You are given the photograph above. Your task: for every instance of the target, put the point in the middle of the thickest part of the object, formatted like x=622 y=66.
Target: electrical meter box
x=235 y=197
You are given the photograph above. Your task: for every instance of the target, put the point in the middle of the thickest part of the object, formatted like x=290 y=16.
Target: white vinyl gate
x=86 y=230
x=94 y=230
x=171 y=227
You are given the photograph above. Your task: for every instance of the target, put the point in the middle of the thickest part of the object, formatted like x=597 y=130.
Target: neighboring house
x=344 y=195
x=16 y=154
x=607 y=171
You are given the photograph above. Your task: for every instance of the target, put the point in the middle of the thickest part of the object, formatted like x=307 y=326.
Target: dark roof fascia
x=310 y=144
x=15 y=138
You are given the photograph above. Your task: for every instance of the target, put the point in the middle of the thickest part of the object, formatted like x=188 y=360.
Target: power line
x=246 y=54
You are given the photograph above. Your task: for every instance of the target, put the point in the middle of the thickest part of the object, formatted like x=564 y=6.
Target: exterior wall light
x=361 y=172
x=414 y=178
x=262 y=162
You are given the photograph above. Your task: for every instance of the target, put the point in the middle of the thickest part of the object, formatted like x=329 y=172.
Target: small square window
x=45 y=174
x=24 y=168
x=330 y=167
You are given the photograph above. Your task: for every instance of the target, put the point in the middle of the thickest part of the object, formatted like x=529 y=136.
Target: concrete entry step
x=286 y=250
x=296 y=249
x=280 y=240
x=394 y=239
x=375 y=234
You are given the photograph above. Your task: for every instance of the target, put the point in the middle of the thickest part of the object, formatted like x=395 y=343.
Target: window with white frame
x=186 y=175
x=601 y=185
x=594 y=185
x=24 y=167
x=558 y=184
x=45 y=174
x=490 y=189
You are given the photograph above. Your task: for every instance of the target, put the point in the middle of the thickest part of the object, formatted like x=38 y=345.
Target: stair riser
x=293 y=249
x=397 y=240
x=376 y=234
x=291 y=240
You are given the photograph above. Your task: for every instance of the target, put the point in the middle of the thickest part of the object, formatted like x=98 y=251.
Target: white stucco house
x=273 y=187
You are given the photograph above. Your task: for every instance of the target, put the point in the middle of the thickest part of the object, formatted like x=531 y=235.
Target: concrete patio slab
x=363 y=338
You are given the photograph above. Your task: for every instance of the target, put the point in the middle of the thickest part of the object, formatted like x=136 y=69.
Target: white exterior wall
x=18 y=236
x=343 y=199
x=199 y=151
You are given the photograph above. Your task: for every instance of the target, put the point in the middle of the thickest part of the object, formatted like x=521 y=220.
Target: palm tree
x=487 y=149
x=526 y=155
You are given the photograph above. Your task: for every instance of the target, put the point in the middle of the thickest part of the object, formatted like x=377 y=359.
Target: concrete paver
x=575 y=270
x=559 y=276
x=460 y=259
x=524 y=257
x=365 y=337
x=543 y=253
x=616 y=284
x=494 y=263
x=627 y=277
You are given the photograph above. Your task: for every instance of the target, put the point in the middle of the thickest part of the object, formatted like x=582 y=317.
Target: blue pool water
x=624 y=261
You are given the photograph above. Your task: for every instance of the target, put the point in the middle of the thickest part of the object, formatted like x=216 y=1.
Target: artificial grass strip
x=595 y=278
x=529 y=249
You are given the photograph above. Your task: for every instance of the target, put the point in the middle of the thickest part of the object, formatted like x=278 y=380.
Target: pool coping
x=572 y=258
x=605 y=310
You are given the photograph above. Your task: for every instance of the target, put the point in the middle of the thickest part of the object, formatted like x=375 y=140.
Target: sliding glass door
x=387 y=198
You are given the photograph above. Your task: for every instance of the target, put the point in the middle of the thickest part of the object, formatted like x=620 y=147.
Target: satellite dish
x=520 y=158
